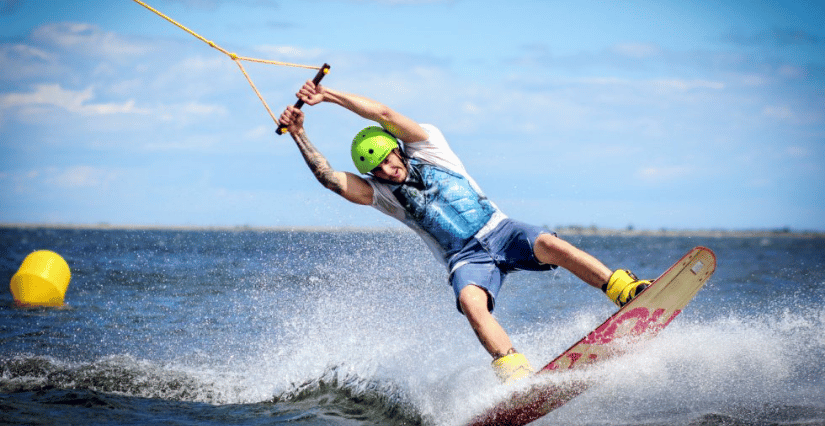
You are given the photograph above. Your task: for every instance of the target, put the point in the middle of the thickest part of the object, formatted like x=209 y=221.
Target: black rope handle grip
x=321 y=73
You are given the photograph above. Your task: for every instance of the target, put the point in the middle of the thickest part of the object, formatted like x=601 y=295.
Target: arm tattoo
x=318 y=164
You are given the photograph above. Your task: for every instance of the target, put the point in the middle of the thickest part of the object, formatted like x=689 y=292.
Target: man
x=425 y=186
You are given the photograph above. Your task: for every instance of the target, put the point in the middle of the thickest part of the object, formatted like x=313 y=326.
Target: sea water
x=215 y=327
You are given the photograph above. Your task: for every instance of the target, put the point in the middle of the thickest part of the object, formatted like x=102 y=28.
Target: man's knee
x=547 y=248
x=550 y=249
x=474 y=300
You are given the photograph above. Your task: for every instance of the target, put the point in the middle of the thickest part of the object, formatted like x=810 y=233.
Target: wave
x=127 y=384
x=121 y=375
x=340 y=394
x=724 y=369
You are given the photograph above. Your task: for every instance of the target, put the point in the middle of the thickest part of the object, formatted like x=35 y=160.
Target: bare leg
x=550 y=250
x=473 y=302
x=555 y=251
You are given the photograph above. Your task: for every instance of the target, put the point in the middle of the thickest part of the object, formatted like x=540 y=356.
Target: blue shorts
x=485 y=261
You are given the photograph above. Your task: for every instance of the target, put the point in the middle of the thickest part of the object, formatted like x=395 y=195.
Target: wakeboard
x=644 y=317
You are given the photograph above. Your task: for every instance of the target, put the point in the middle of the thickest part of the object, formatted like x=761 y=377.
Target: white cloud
x=214 y=4
x=400 y=2
x=189 y=143
x=637 y=50
x=791 y=71
x=191 y=77
x=753 y=80
x=190 y=112
x=797 y=152
x=28 y=52
x=306 y=57
x=673 y=84
x=681 y=85
x=194 y=108
x=69 y=100
x=781 y=112
x=84 y=177
x=658 y=174
x=88 y=39
x=258 y=133
x=21 y=61
x=44 y=179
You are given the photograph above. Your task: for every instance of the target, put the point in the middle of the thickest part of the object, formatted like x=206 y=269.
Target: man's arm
x=399 y=125
x=347 y=185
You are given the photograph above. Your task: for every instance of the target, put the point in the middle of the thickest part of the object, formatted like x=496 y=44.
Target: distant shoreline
x=561 y=230
x=705 y=233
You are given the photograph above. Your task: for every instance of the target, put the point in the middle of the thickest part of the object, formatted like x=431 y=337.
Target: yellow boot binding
x=512 y=367
x=623 y=286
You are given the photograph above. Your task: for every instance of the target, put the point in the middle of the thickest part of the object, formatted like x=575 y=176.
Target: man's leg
x=508 y=364
x=553 y=250
x=473 y=301
x=620 y=286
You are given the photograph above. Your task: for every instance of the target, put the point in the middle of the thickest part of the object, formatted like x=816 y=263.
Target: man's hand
x=311 y=93
x=293 y=119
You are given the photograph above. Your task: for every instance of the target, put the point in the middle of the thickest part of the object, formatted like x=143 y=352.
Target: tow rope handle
x=321 y=73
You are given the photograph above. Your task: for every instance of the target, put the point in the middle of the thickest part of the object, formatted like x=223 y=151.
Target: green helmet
x=371 y=146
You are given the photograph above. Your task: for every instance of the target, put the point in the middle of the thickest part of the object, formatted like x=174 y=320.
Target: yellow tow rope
x=237 y=58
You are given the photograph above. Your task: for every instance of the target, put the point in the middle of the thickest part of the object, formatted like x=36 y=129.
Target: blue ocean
x=357 y=327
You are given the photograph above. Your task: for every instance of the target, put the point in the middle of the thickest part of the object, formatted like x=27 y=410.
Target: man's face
x=392 y=168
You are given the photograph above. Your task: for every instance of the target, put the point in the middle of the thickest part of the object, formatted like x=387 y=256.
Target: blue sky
x=678 y=114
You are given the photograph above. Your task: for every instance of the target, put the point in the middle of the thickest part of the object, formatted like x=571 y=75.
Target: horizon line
x=591 y=230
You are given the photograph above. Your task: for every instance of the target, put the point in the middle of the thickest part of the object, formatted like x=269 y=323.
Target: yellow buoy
x=42 y=280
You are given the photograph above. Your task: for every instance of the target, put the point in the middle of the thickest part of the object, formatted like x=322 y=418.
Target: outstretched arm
x=347 y=185
x=399 y=125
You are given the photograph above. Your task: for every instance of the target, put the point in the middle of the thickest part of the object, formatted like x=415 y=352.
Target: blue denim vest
x=444 y=204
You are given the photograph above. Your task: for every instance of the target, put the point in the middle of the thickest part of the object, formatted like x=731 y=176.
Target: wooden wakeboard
x=641 y=319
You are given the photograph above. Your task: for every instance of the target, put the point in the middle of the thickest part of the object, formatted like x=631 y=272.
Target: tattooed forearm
x=318 y=164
